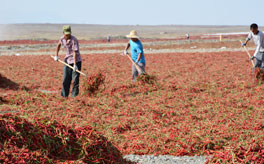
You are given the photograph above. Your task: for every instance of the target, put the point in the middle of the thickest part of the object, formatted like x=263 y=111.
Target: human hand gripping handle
x=56 y=58
x=248 y=53
x=125 y=52
x=75 y=68
x=137 y=67
x=70 y=66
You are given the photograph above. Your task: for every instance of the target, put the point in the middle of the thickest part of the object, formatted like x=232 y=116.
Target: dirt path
x=150 y=47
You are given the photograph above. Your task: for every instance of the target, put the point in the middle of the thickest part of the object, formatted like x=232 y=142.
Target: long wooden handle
x=70 y=66
x=137 y=67
x=247 y=53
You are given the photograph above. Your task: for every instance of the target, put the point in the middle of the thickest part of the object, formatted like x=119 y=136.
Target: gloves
x=125 y=52
x=56 y=58
x=75 y=68
x=243 y=44
x=252 y=57
x=136 y=62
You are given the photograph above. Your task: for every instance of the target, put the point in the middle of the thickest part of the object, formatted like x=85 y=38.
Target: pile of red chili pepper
x=46 y=141
x=93 y=83
x=253 y=153
x=259 y=74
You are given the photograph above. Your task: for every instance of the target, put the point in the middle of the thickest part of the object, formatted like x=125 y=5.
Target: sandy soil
x=27 y=47
x=53 y=31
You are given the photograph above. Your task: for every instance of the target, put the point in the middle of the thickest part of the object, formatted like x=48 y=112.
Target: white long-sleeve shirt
x=259 y=42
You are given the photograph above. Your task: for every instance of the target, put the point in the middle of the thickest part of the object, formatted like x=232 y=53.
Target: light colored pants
x=258 y=64
x=135 y=73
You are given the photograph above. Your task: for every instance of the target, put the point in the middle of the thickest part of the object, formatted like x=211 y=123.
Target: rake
x=258 y=73
x=247 y=53
x=70 y=66
x=140 y=71
x=137 y=67
x=144 y=77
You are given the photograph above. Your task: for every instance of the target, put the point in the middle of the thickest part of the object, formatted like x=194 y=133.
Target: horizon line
x=116 y=24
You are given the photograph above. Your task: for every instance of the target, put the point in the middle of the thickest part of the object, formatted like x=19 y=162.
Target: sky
x=133 y=12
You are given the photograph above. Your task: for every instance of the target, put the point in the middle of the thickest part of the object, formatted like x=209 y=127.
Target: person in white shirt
x=258 y=38
x=187 y=36
x=108 y=38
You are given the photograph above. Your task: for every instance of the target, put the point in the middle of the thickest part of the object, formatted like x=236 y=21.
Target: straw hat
x=133 y=34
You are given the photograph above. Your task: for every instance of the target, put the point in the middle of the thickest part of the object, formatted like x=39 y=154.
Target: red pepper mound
x=93 y=83
x=147 y=79
x=253 y=153
x=259 y=74
x=46 y=141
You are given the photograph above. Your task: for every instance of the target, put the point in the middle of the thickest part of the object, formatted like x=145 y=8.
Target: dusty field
x=197 y=43
x=86 y=32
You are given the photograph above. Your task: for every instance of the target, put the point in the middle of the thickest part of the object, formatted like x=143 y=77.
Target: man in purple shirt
x=73 y=58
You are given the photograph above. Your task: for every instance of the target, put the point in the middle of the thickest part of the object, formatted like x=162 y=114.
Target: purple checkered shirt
x=71 y=45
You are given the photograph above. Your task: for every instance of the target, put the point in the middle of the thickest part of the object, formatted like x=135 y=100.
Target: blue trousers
x=70 y=76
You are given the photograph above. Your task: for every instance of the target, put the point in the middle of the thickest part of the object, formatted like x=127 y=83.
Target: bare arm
x=127 y=46
x=58 y=48
x=139 y=57
x=74 y=57
x=246 y=42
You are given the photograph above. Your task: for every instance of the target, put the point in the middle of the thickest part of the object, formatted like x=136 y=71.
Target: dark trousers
x=68 y=76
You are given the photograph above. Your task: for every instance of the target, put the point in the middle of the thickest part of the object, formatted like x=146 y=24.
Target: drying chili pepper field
x=197 y=103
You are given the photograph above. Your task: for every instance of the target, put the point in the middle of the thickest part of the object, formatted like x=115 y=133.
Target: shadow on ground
x=5 y=83
x=3 y=101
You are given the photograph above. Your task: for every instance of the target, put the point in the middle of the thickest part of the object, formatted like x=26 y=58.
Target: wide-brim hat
x=67 y=29
x=133 y=34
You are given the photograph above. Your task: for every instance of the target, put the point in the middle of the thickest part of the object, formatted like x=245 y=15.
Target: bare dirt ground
x=29 y=47
x=41 y=39
x=86 y=32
